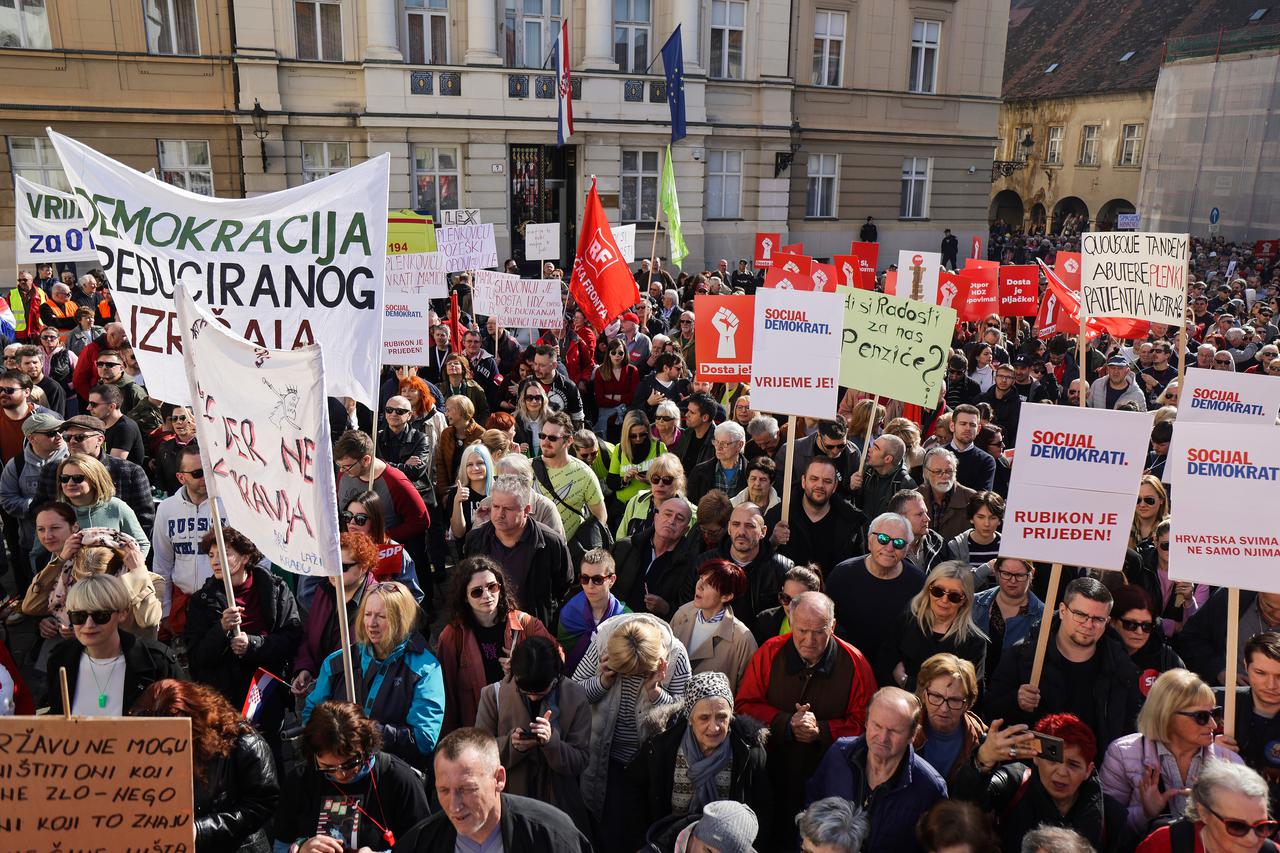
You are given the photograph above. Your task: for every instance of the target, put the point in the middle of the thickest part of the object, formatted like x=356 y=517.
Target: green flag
x=671 y=207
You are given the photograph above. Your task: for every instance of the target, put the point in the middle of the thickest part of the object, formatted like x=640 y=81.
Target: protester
x=871 y=591
x=946 y=500
x=822 y=527
x=1226 y=810
x=726 y=471
x=950 y=731
x=665 y=480
x=364 y=515
x=404 y=512
x=462 y=430
x=979 y=546
x=321 y=632
x=637 y=450
x=939 y=618
x=655 y=568
x=715 y=639
x=474 y=481
x=1134 y=621
x=747 y=546
x=1007 y=612
x=1152 y=508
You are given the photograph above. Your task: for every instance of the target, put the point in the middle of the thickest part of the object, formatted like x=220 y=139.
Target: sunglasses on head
x=1148 y=500
x=897 y=542
x=949 y=594
x=360 y=518
x=594 y=580
x=79 y=617
x=1134 y=625
x=1240 y=828
x=391 y=410
x=479 y=591
x=1200 y=718
x=77 y=479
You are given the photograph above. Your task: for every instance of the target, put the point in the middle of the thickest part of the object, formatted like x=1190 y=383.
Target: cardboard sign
x=542 y=241
x=484 y=282
x=48 y=226
x=625 y=237
x=410 y=233
x=405 y=338
x=795 y=356
x=723 y=336
x=1134 y=275
x=420 y=273
x=849 y=272
x=526 y=303
x=102 y=783
x=1224 y=533
x=766 y=244
x=467 y=247
x=782 y=279
x=895 y=347
x=461 y=216
x=1019 y=291
x=1074 y=484
x=917 y=276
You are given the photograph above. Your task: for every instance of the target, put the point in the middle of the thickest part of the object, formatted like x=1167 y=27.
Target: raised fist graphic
x=726 y=323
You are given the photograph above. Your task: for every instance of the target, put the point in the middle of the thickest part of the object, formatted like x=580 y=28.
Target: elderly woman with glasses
x=938 y=619
x=398 y=682
x=1227 y=811
x=1134 y=621
x=666 y=480
x=950 y=732
x=1150 y=770
x=347 y=762
x=666 y=424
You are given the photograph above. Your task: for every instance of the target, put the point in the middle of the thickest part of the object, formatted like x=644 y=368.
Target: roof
x=1087 y=38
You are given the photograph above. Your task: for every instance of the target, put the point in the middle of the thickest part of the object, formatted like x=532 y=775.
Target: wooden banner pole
x=793 y=424
x=222 y=552
x=1233 y=661
x=344 y=632
x=866 y=438
x=66 y=694
x=1082 y=351
x=1046 y=624
x=653 y=248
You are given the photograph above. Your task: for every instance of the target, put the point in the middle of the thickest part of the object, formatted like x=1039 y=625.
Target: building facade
x=803 y=118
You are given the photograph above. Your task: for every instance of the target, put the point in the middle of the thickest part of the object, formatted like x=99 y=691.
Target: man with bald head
x=745 y=544
x=405 y=447
x=810 y=688
x=882 y=771
x=86 y=372
x=884 y=476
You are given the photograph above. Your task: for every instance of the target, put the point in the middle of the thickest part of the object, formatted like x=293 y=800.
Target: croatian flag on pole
x=564 y=87
x=262 y=688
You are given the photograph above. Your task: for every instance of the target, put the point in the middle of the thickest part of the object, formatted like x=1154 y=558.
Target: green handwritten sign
x=895 y=347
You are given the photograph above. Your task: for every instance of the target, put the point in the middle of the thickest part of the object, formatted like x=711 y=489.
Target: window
x=820 y=200
x=925 y=36
x=639 y=186
x=631 y=19
x=171 y=27
x=1089 y=145
x=724 y=184
x=915 y=188
x=1053 y=147
x=435 y=172
x=1019 y=151
x=530 y=28
x=828 y=47
x=185 y=164
x=728 y=30
x=1131 y=145
x=427 y=30
x=322 y=159
x=33 y=158
x=319 y=24
x=24 y=23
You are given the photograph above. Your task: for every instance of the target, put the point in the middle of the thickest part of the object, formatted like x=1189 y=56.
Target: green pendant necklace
x=93 y=671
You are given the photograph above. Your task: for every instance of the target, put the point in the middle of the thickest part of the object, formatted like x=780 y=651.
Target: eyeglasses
x=78 y=437
x=532 y=398
x=346 y=469
x=479 y=591
x=197 y=474
x=353 y=764
x=551 y=438
x=391 y=410
x=955 y=703
x=1134 y=625
x=1086 y=619
x=359 y=518
x=949 y=594
x=663 y=481
x=1200 y=718
x=938 y=472
x=5 y=391
x=79 y=617
x=1013 y=577
x=593 y=580
x=76 y=479
x=1240 y=828
x=885 y=539
x=1148 y=500
x=784 y=599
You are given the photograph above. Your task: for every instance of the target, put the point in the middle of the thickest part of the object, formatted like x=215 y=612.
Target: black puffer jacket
x=235 y=796
x=764 y=578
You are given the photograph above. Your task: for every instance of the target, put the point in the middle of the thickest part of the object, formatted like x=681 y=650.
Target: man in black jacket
x=884 y=475
x=656 y=569
x=868 y=232
x=727 y=471
x=1257 y=723
x=950 y=249
x=745 y=544
x=831 y=439
x=823 y=527
x=1005 y=403
x=403 y=447
x=469 y=780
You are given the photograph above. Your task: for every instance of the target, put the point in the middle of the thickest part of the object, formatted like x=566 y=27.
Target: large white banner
x=263 y=425
x=1136 y=274
x=1074 y=484
x=283 y=270
x=48 y=226
x=795 y=353
x=1226 y=478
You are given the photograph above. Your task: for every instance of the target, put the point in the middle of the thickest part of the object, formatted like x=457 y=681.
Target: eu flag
x=673 y=64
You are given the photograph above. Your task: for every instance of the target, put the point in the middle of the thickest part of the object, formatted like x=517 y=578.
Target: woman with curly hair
x=235 y=776
x=321 y=634
x=455 y=380
x=475 y=646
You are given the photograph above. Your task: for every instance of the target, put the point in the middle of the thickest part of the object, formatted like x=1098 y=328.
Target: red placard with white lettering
x=766 y=245
x=1019 y=291
x=1266 y=249
x=724 y=331
x=978 y=296
x=869 y=255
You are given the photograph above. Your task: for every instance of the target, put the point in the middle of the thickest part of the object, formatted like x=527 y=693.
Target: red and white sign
x=766 y=245
x=723 y=334
x=792 y=262
x=825 y=277
x=917 y=276
x=1019 y=291
x=868 y=254
x=784 y=279
x=977 y=247
x=1266 y=249
x=971 y=292
x=847 y=272
x=793 y=249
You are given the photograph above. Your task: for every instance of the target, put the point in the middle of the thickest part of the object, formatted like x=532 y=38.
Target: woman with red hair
x=427 y=417
x=235 y=776
x=717 y=641
x=320 y=633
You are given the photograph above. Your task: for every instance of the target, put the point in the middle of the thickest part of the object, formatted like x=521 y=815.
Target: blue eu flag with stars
x=673 y=64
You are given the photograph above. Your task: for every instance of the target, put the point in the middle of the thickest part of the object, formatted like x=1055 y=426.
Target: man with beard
x=562 y=393
x=946 y=500
x=822 y=527
x=484 y=368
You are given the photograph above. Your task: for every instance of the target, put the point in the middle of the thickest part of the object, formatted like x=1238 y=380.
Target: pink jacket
x=1128 y=758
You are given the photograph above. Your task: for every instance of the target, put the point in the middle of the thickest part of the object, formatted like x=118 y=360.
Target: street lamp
x=260 y=130
x=1005 y=168
x=783 y=159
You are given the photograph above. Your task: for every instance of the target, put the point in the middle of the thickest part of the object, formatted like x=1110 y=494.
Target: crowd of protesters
x=580 y=619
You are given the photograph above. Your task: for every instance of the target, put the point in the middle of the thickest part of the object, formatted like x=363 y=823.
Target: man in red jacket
x=86 y=372
x=809 y=687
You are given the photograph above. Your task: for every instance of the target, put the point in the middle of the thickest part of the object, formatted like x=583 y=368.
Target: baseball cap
x=1117 y=360
x=88 y=422
x=728 y=826
x=1022 y=360
x=41 y=422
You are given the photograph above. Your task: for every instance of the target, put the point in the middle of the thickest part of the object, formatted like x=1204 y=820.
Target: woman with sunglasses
x=938 y=619
x=1227 y=811
x=1175 y=601
x=1134 y=621
x=364 y=515
x=615 y=381
x=59 y=362
x=85 y=484
x=166 y=460
x=949 y=732
x=346 y=761
x=321 y=634
x=592 y=605
x=475 y=477
x=666 y=479
x=666 y=424
x=1152 y=508
x=991 y=439
x=107 y=668
x=399 y=683
x=629 y=470
x=227 y=642
x=484 y=626
x=236 y=790
x=533 y=407
x=1150 y=770
x=683 y=339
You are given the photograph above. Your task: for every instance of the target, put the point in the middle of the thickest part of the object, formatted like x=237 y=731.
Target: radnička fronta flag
x=601 y=283
x=671 y=209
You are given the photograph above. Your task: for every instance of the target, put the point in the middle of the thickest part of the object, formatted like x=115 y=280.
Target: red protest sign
x=978 y=263
x=785 y=279
x=825 y=278
x=979 y=290
x=977 y=247
x=390 y=562
x=766 y=245
x=1053 y=318
x=724 y=330
x=869 y=254
x=1019 y=291
x=1266 y=249
x=792 y=262
x=847 y=272
x=793 y=248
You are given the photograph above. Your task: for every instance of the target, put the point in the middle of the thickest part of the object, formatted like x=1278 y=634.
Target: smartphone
x=1050 y=747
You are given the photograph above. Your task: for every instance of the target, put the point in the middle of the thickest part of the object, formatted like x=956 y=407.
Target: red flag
x=1069 y=297
x=601 y=284
x=455 y=327
x=1019 y=291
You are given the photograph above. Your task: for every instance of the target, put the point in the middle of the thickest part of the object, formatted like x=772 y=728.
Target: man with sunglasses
x=405 y=447
x=1162 y=371
x=872 y=590
x=87 y=434
x=182 y=520
x=85 y=375
x=960 y=388
x=830 y=440
x=15 y=408
x=1086 y=672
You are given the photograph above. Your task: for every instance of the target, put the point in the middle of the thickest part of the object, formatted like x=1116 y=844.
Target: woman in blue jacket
x=398 y=681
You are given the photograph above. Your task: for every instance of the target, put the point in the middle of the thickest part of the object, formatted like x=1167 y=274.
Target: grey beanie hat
x=705 y=685
x=728 y=826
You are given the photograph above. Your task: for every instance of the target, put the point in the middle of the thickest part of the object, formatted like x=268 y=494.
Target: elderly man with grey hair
x=810 y=688
x=872 y=590
x=728 y=470
x=534 y=556
x=885 y=475
x=764 y=435
x=833 y=825
x=947 y=500
x=59 y=311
